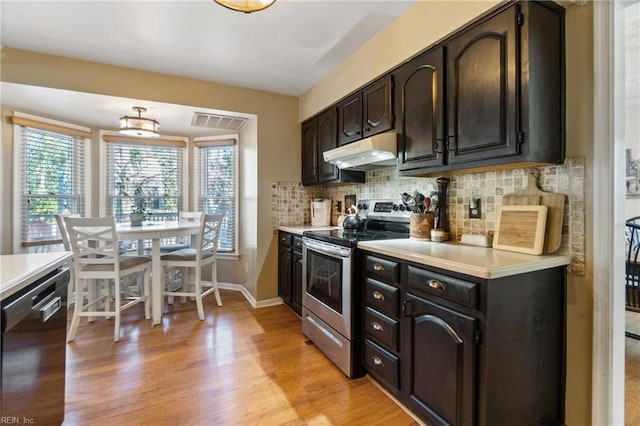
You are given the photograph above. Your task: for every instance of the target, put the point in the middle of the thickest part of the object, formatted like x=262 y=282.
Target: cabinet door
x=284 y=273
x=350 y=119
x=439 y=373
x=377 y=107
x=296 y=282
x=421 y=98
x=482 y=90
x=326 y=141
x=310 y=151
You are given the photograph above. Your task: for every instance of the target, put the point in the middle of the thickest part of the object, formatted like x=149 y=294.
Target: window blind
x=216 y=188
x=51 y=179
x=146 y=176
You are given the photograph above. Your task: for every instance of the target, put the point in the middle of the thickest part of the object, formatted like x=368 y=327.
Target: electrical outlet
x=475 y=212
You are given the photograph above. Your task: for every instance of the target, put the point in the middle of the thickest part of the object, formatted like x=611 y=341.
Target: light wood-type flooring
x=632 y=371
x=239 y=366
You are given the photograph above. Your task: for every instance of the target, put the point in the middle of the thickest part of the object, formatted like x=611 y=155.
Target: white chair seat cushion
x=185 y=254
x=126 y=262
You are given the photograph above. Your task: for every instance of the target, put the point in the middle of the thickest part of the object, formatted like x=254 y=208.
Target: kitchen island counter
x=481 y=262
x=19 y=270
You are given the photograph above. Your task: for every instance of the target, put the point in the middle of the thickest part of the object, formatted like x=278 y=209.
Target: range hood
x=366 y=154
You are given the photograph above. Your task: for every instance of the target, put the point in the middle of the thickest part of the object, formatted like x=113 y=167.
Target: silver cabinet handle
x=376 y=326
x=377 y=295
x=436 y=284
x=377 y=361
x=378 y=267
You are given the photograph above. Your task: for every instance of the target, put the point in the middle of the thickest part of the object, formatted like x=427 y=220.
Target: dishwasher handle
x=45 y=295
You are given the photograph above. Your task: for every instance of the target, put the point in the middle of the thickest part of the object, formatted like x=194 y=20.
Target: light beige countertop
x=299 y=229
x=17 y=271
x=479 y=262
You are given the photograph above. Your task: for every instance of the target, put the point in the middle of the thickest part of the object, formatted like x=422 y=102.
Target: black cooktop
x=351 y=237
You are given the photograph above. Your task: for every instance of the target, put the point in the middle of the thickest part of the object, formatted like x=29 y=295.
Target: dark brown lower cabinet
x=296 y=281
x=290 y=270
x=440 y=375
x=464 y=350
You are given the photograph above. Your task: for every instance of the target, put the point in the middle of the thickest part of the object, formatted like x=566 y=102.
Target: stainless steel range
x=331 y=303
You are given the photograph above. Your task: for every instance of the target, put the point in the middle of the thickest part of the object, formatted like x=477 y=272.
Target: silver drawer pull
x=377 y=295
x=378 y=361
x=376 y=326
x=436 y=284
x=378 y=267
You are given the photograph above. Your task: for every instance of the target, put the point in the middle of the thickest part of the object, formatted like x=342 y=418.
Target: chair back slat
x=93 y=240
x=62 y=228
x=209 y=234
x=190 y=217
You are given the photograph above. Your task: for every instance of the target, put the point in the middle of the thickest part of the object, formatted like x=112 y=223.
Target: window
x=50 y=179
x=216 y=185
x=144 y=176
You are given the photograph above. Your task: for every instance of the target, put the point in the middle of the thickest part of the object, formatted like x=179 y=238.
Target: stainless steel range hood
x=366 y=154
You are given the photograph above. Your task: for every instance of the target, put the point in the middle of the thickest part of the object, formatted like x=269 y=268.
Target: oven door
x=326 y=277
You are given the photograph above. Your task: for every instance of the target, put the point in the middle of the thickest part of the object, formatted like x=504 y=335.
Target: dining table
x=154 y=232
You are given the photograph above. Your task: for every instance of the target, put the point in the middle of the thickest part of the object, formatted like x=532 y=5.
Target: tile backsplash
x=291 y=201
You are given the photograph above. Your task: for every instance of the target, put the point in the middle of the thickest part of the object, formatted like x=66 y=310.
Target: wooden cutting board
x=521 y=229
x=532 y=195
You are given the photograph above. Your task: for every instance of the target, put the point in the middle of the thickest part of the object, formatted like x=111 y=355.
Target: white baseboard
x=252 y=301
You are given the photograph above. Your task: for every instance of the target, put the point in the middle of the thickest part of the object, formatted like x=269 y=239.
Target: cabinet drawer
x=297 y=243
x=384 y=269
x=458 y=291
x=381 y=364
x=381 y=328
x=284 y=238
x=383 y=297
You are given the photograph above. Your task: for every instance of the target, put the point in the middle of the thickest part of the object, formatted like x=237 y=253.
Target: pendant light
x=246 y=6
x=139 y=126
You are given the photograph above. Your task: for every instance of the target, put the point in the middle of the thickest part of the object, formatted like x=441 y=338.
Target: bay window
x=216 y=185
x=144 y=176
x=50 y=178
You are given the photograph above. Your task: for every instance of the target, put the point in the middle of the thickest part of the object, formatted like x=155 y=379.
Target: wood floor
x=239 y=366
x=632 y=371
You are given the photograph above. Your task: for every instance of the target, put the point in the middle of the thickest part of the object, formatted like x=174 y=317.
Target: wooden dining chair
x=632 y=268
x=66 y=244
x=182 y=242
x=95 y=257
x=203 y=254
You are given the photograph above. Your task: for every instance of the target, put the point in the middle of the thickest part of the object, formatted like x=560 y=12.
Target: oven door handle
x=327 y=249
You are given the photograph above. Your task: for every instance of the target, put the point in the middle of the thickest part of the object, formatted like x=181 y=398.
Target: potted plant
x=138 y=214
x=138 y=210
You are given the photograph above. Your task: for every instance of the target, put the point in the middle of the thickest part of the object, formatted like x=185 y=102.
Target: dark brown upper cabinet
x=366 y=112
x=319 y=135
x=504 y=95
x=350 y=119
x=420 y=95
x=377 y=107
x=482 y=91
x=310 y=151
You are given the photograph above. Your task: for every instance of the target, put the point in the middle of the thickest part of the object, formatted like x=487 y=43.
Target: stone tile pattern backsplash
x=291 y=200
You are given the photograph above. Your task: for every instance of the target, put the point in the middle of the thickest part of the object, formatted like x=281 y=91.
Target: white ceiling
x=284 y=49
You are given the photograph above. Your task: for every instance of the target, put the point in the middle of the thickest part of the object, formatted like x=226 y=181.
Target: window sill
x=228 y=256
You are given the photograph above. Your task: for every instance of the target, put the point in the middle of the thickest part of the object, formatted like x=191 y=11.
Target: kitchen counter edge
x=481 y=262
x=299 y=229
x=17 y=271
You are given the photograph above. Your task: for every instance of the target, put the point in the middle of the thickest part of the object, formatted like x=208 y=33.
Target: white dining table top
x=156 y=229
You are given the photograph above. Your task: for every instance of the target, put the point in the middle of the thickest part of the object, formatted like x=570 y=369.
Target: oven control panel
x=391 y=210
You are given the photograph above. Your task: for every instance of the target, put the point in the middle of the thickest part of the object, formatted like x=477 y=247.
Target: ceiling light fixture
x=139 y=126
x=246 y=6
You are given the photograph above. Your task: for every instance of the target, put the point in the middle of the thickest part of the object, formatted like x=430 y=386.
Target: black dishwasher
x=34 y=324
